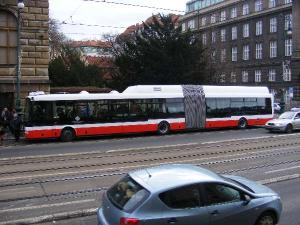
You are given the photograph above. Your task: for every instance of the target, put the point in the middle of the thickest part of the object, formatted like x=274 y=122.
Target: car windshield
x=127 y=194
x=287 y=115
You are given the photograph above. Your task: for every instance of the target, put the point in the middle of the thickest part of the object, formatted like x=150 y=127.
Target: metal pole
x=18 y=101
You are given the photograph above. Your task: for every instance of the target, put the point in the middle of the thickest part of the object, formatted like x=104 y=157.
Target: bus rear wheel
x=67 y=135
x=242 y=123
x=163 y=128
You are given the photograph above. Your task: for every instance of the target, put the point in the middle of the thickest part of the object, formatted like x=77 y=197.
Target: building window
x=244 y=76
x=273 y=25
x=222 y=78
x=203 y=21
x=234 y=54
x=273 y=49
x=258 y=51
x=234 y=33
x=288 y=22
x=183 y=27
x=246 y=30
x=213 y=36
x=204 y=39
x=288 y=1
x=272 y=75
x=246 y=51
x=223 y=15
x=191 y=24
x=245 y=9
x=288 y=47
x=258 y=28
x=233 y=77
x=213 y=55
x=8 y=39
x=257 y=76
x=287 y=73
x=223 y=55
x=258 y=5
x=213 y=18
x=272 y=3
x=223 y=35
x=233 y=12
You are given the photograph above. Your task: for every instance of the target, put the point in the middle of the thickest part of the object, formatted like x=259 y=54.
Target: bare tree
x=56 y=39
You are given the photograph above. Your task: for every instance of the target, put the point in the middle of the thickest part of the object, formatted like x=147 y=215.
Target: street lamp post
x=20 y=6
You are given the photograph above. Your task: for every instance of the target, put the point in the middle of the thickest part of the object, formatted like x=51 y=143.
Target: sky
x=117 y=17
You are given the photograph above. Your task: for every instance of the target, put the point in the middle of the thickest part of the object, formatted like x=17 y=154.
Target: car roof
x=165 y=177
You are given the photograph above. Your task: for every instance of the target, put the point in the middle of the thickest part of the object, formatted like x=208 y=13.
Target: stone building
x=34 y=41
x=249 y=42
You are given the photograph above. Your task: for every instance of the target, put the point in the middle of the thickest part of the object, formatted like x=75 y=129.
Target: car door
x=183 y=206
x=225 y=205
x=296 y=122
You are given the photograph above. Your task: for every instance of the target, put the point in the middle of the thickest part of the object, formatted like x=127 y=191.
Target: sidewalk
x=9 y=139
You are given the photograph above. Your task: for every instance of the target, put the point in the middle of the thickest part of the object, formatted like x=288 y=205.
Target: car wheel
x=289 y=128
x=242 y=123
x=163 y=128
x=67 y=135
x=266 y=219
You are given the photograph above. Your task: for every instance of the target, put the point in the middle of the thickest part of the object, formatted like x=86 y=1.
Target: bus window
x=64 y=112
x=99 y=111
x=175 y=107
x=264 y=106
x=250 y=106
x=156 y=108
x=211 y=107
x=223 y=107
x=119 y=110
x=237 y=106
x=137 y=109
x=41 y=113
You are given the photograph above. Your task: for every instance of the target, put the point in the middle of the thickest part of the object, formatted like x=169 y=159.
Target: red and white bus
x=145 y=108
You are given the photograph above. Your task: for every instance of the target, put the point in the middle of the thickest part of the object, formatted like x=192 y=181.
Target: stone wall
x=34 y=39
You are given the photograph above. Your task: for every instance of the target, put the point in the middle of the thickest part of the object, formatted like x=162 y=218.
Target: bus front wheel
x=242 y=123
x=67 y=134
x=163 y=128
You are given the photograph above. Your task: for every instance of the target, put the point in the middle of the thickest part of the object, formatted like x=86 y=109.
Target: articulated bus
x=146 y=108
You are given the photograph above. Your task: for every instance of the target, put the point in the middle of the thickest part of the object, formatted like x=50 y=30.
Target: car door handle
x=172 y=220
x=215 y=212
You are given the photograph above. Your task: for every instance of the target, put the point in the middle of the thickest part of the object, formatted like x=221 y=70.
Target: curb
x=91 y=212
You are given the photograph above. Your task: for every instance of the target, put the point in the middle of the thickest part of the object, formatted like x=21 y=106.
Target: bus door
x=195 y=109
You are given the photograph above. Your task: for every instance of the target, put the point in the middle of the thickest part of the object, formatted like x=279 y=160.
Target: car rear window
x=127 y=194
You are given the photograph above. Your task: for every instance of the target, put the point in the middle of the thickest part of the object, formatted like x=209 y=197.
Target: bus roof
x=156 y=91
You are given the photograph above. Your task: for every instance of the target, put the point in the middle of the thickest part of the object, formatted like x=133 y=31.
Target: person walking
x=2 y=132
x=16 y=126
x=5 y=117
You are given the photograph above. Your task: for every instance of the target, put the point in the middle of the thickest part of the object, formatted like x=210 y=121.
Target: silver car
x=286 y=122
x=188 y=195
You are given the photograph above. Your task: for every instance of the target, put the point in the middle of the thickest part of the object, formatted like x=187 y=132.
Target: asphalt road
x=251 y=155
x=288 y=190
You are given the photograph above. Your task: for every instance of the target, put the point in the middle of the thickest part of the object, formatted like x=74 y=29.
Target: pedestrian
x=16 y=126
x=5 y=117
x=2 y=132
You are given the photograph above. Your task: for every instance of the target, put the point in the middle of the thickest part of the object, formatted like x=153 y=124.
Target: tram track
x=205 y=151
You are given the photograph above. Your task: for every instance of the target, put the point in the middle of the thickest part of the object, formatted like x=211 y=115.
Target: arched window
x=8 y=38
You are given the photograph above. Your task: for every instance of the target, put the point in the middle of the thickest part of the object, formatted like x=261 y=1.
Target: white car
x=286 y=122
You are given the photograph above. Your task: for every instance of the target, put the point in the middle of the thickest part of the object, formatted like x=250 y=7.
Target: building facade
x=34 y=48
x=249 y=42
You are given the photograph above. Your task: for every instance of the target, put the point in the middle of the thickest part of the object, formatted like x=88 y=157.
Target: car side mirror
x=247 y=200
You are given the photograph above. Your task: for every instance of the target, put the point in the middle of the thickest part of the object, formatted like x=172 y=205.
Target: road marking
x=279 y=179
x=280 y=170
x=244 y=139
x=46 y=206
x=154 y=147
x=18 y=189
x=141 y=165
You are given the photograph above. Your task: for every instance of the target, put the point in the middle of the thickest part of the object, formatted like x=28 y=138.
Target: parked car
x=286 y=122
x=187 y=195
x=276 y=107
x=296 y=108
